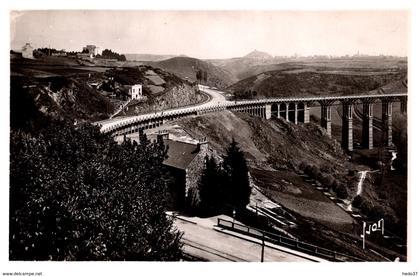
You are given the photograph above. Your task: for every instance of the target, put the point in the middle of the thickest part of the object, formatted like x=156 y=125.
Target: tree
x=235 y=179
x=341 y=191
x=209 y=188
x=199 y=75
x=205 y=76
x=107 y=53
x=75 y=194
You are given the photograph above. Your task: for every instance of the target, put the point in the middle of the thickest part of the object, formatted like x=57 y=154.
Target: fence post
x=262 y=248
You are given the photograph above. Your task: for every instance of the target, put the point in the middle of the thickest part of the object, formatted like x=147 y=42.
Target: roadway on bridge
x=216 y=98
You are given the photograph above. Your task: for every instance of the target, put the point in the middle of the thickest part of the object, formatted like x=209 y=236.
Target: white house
x=93 y=50
x=136 y=91
x=27 y=51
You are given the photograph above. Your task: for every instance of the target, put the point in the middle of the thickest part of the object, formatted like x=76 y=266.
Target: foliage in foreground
x=225 y=186
x=75 y=194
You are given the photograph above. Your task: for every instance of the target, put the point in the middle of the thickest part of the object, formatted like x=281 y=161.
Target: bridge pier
x=267 y=114
x=292 y=112
x=347 y=126
x=367 y=125
x=387 y=122
x=403 y=107
x=326 y=116
x=307 y=109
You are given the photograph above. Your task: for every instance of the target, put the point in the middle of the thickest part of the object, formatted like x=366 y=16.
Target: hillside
x=34 y=100
x=147 y=57
x=186 y=68
x=259 y=62
x=306 y=81
x=65 y=88
x=276 y=152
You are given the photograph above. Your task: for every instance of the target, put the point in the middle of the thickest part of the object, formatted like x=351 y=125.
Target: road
x=203 y=241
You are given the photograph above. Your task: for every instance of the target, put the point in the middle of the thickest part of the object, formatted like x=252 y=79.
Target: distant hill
x=306 y=81
x=244 y=67
x=147 y=57
x=258 y=55
x=240 y=67
x=186 y=68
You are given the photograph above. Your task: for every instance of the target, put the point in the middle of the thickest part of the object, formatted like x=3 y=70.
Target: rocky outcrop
x=180 y=95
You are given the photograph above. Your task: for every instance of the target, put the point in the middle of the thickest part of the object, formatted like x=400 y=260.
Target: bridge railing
x=286 y=241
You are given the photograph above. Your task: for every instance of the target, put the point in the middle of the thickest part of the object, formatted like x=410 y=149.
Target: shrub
x=328 y=180
x=341 y=191
x=75 y=194
x=358 y=201
x=313 y=171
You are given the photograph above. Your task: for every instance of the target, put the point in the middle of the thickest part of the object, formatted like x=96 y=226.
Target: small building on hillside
x=136 y=92
x=28 y=51
x=185 y=162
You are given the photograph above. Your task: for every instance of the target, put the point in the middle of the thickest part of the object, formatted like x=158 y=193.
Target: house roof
x=180 y=154
x=27 y=46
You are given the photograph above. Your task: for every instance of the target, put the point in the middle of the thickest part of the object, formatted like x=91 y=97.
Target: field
x=291 y=191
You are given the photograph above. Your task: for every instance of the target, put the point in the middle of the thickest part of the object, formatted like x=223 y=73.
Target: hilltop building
x=185 y=162
x=28 y=51
x=92 y=50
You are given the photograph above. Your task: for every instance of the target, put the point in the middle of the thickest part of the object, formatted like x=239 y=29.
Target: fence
x=286 y=241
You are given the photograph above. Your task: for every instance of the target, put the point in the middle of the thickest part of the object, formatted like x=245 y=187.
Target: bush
x=358 y=201
x=313 y=171
x=303 y=166
x=328 y=181
x=75 y=194
x=341 y=191
x=366 y=207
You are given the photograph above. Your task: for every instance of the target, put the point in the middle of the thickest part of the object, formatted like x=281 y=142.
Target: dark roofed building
x=180 y=154
x=185 y=163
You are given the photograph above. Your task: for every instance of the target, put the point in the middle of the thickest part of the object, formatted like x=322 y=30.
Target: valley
x=302 y=179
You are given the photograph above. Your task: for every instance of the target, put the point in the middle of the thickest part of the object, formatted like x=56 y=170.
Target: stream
x=359 y=188
x=363 y=177
x=360 y=184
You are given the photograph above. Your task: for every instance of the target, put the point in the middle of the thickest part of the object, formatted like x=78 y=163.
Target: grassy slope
x=186 y=67
x=275 y=144
x=286 y=84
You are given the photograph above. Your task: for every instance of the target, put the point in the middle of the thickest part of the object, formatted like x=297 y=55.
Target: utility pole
x=262 y=248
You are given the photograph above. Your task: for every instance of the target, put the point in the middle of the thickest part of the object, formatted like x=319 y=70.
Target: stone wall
x=193 y=174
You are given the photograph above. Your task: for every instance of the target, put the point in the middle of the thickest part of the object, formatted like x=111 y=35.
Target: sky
x=216 y=34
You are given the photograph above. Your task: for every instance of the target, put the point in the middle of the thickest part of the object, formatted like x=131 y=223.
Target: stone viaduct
x=295 y=110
